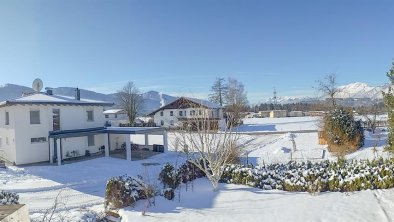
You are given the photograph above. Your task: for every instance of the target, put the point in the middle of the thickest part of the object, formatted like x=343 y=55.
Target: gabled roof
x=45 y=99
x=184 y=102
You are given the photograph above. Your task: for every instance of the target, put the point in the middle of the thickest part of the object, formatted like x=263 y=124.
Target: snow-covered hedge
x=315 y=177
x=124 y=191
x=8 y=198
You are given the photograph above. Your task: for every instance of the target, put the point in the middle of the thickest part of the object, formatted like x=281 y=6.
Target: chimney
x=78 y=94
x=49 y=91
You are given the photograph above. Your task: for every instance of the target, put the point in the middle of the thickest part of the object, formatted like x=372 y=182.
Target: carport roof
x=100 y=130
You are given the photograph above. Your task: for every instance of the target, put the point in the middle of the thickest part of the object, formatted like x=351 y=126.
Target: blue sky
x=180 y=47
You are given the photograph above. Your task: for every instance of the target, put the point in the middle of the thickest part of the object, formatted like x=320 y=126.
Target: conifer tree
x=389 y=102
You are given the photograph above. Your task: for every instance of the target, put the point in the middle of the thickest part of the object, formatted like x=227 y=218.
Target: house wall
x=167 y=118
x=80 y=144
x=116 y=119
x=278 y=113
x=71 y=117
x=7 y=135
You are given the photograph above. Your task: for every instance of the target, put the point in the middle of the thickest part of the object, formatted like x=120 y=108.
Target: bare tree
x=329 y=87
x=370 y=115
x=130 y=100
x=236 y=100
x=207 y=149
x=218 y=91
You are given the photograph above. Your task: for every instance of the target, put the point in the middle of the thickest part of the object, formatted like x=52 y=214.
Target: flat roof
x=100 y=130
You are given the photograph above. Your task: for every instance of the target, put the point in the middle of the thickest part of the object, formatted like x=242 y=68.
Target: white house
x=114 y=117
x=184 y=110
x=278 y=113
x=41 y=127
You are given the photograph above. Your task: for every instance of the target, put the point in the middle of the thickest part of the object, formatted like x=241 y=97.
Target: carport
x=111 y=139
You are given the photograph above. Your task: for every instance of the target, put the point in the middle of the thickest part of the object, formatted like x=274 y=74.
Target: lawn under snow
x=81 y=186
x=278 y=124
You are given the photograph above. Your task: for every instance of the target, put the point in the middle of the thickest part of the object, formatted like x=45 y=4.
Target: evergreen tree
x=389 y=102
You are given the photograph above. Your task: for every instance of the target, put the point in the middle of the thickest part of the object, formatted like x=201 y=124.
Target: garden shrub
x=343 y=133
x=169 y=177
x=124 y=191
x=8 y=198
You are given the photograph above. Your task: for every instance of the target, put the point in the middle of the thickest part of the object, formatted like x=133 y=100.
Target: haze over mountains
x=153 y=100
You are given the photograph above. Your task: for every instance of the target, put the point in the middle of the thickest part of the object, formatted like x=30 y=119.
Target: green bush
x=342 y=132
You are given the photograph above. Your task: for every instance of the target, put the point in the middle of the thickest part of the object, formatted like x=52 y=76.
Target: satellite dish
x=37 y=85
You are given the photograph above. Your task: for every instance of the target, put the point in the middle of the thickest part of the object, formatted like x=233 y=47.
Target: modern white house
x=114 y=117
x=41 y=127
x=186 y=110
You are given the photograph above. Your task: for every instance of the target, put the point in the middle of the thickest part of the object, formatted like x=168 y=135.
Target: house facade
x=115 y=117
x=184 y=111
x=278 y=113
x=25 y=124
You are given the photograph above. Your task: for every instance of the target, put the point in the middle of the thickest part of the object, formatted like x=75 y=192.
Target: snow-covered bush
x=172 y=178
x=124 y=191
x=169 y=177
x=8 y=198
x=168 y=193
x=343 y=133
x=315 y=177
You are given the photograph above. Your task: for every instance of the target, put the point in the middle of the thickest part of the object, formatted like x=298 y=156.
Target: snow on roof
x=42 y=98
x=189 y=101
x=113 y=111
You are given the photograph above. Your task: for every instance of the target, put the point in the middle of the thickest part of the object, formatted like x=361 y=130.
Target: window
x=38 y=140
x=90 y=115
x=161 y=113
x=180 y=113
x=106 y=116
x=171 y=113
x=162 y=122
x=172 y=122
x=192 y=112
x=199 y=112
x=7 y=118
x=116 y=116
x=91 y=140
x=34 y=117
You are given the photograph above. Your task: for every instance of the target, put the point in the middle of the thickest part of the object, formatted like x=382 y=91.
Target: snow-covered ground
x=278 y=124
x=81 y=185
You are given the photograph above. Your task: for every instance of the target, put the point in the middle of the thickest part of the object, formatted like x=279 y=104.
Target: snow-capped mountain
x=152 y=99
x=362 y=90
x=355 y=90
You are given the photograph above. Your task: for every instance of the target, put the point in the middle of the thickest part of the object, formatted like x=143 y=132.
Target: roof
x=185 y=102
x=43 y=98
x=114 y=111
x=100 y=130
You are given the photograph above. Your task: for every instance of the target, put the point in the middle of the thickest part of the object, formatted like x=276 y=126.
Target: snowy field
x=80 y=186
x=278 y=124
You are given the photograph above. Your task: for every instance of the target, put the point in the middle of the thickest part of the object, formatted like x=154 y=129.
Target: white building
x=278 y=113
x=185 y=110
x=115 y=117
x=296 y=113
x=43 y=127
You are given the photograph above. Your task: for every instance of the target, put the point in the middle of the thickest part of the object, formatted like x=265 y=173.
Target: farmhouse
x=42 y=127
x=184 y=111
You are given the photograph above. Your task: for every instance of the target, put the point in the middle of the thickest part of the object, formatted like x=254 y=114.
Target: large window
x=106 y=116
x=180 y=113
x=192 y=112
x=35 y=117
x=7 y=118
x=38 y=140
x=90 y=116
x=91 y=140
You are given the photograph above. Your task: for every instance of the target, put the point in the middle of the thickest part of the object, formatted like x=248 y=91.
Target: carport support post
x=146 y=140
x=51 y=150
x=165 y=141
x=128 y=146
x=106 y=144
x=59 y=155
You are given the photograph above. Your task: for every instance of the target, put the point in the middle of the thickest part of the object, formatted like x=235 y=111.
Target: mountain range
x=355 y=90
x=152 y=99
